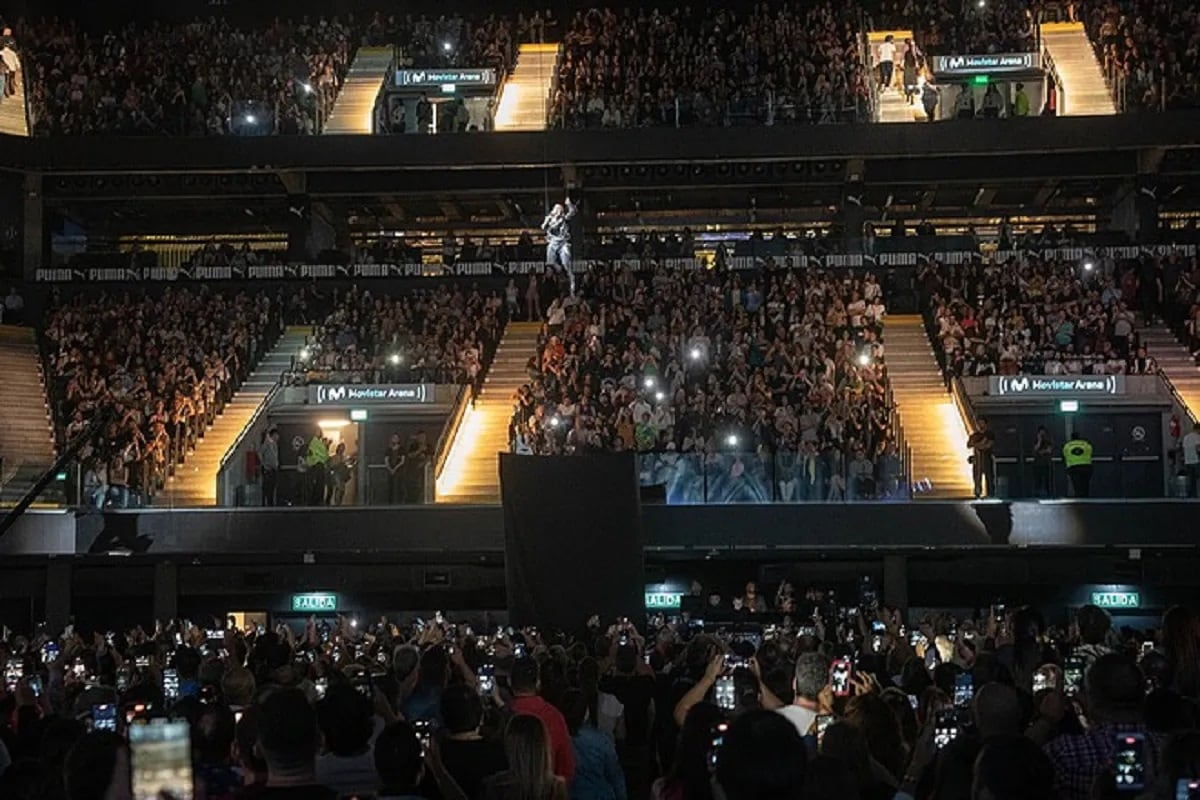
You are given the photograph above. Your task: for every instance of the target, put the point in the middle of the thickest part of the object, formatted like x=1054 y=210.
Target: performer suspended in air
x=557 y=226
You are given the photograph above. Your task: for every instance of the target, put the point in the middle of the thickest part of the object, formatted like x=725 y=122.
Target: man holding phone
x=1114 y=690
x=812 y=671
x=952 y=739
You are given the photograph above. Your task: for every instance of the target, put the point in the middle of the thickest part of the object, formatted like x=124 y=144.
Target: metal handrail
x=264 y=404
x=442 y=451
x=1178 y=398
x=250 y=423
x=965 y=411
x=67 y=456
x=25 y=86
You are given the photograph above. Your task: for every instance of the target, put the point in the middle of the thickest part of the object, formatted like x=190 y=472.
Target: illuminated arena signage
x=431 y=78
x=1116 y=599
x=1051 y=385
x=340 y=394
x=985 y=63
x=315 y=602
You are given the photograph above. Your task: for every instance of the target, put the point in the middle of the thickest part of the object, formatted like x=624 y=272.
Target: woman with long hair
x=689 y=778
x=1181 y=646
x=530 y=774
x=881 y=729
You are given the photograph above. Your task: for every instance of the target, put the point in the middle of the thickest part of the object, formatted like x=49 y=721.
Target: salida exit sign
x=315 y=602
x=1117 y=599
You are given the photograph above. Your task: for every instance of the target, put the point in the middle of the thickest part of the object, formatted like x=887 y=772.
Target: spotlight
x=554 y=422
x=864 y=359
x=731 y=440
x=982 y=3
x=251 y=119
x=1088 y=266
x=446 y=46
x=659 y=396
x=695 y=354
x=307 y=88
x=305 y=353
x=395 y=359
x=648 y=382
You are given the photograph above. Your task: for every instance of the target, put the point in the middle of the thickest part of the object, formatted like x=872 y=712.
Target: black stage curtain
x=572 y=538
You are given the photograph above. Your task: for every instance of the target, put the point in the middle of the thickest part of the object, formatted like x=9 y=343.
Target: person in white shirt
x=887 y=60
x=1191 y=458
x=812 y=673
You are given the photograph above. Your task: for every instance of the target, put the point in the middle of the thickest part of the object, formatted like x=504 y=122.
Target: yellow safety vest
x=1077 y=453
x=318 y=453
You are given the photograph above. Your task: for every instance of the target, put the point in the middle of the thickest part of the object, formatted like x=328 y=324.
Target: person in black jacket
x=557 y=226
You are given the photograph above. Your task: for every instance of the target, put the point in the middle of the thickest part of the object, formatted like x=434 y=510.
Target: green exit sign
x=668 y=601
x=315 y=602
x=1117 y=599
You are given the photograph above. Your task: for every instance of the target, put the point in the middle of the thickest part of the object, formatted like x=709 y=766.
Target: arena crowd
x=442 y=335
x=1045 y=317
x=145 y=374
x=801 y=697
x=788 y=367
x=620 y=68
x=694 y=65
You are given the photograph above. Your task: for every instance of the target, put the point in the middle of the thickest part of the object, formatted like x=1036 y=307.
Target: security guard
x=1077 y=455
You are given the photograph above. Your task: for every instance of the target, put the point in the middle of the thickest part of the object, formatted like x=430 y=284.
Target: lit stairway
x=13 y=120
x=892 y=105
x=932 y=425
x=525 y=100
x=354 y=108
x=26 y=435
x=1084 y=90
x=195 y=482
x=1176 y=364
x=472 y=470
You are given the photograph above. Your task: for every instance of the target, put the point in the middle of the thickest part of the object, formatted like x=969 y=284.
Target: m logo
x=956 y=62
x=330 y=394
x=1017 y=385
x=417 y=77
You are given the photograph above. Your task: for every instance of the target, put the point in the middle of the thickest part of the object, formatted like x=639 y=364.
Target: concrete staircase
x=13 y=119
x=26 y=431
x=194 y=484
x=1176 y=364
x=892 y=105
x=354 y=108
x=471 y=474
x=525 y=100
x=932 y=425
x=1084 y=91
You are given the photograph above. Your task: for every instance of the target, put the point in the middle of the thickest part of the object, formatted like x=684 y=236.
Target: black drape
x=573 y=538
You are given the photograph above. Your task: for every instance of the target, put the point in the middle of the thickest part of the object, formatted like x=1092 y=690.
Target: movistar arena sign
x=340 y=394
x=1070 y=385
